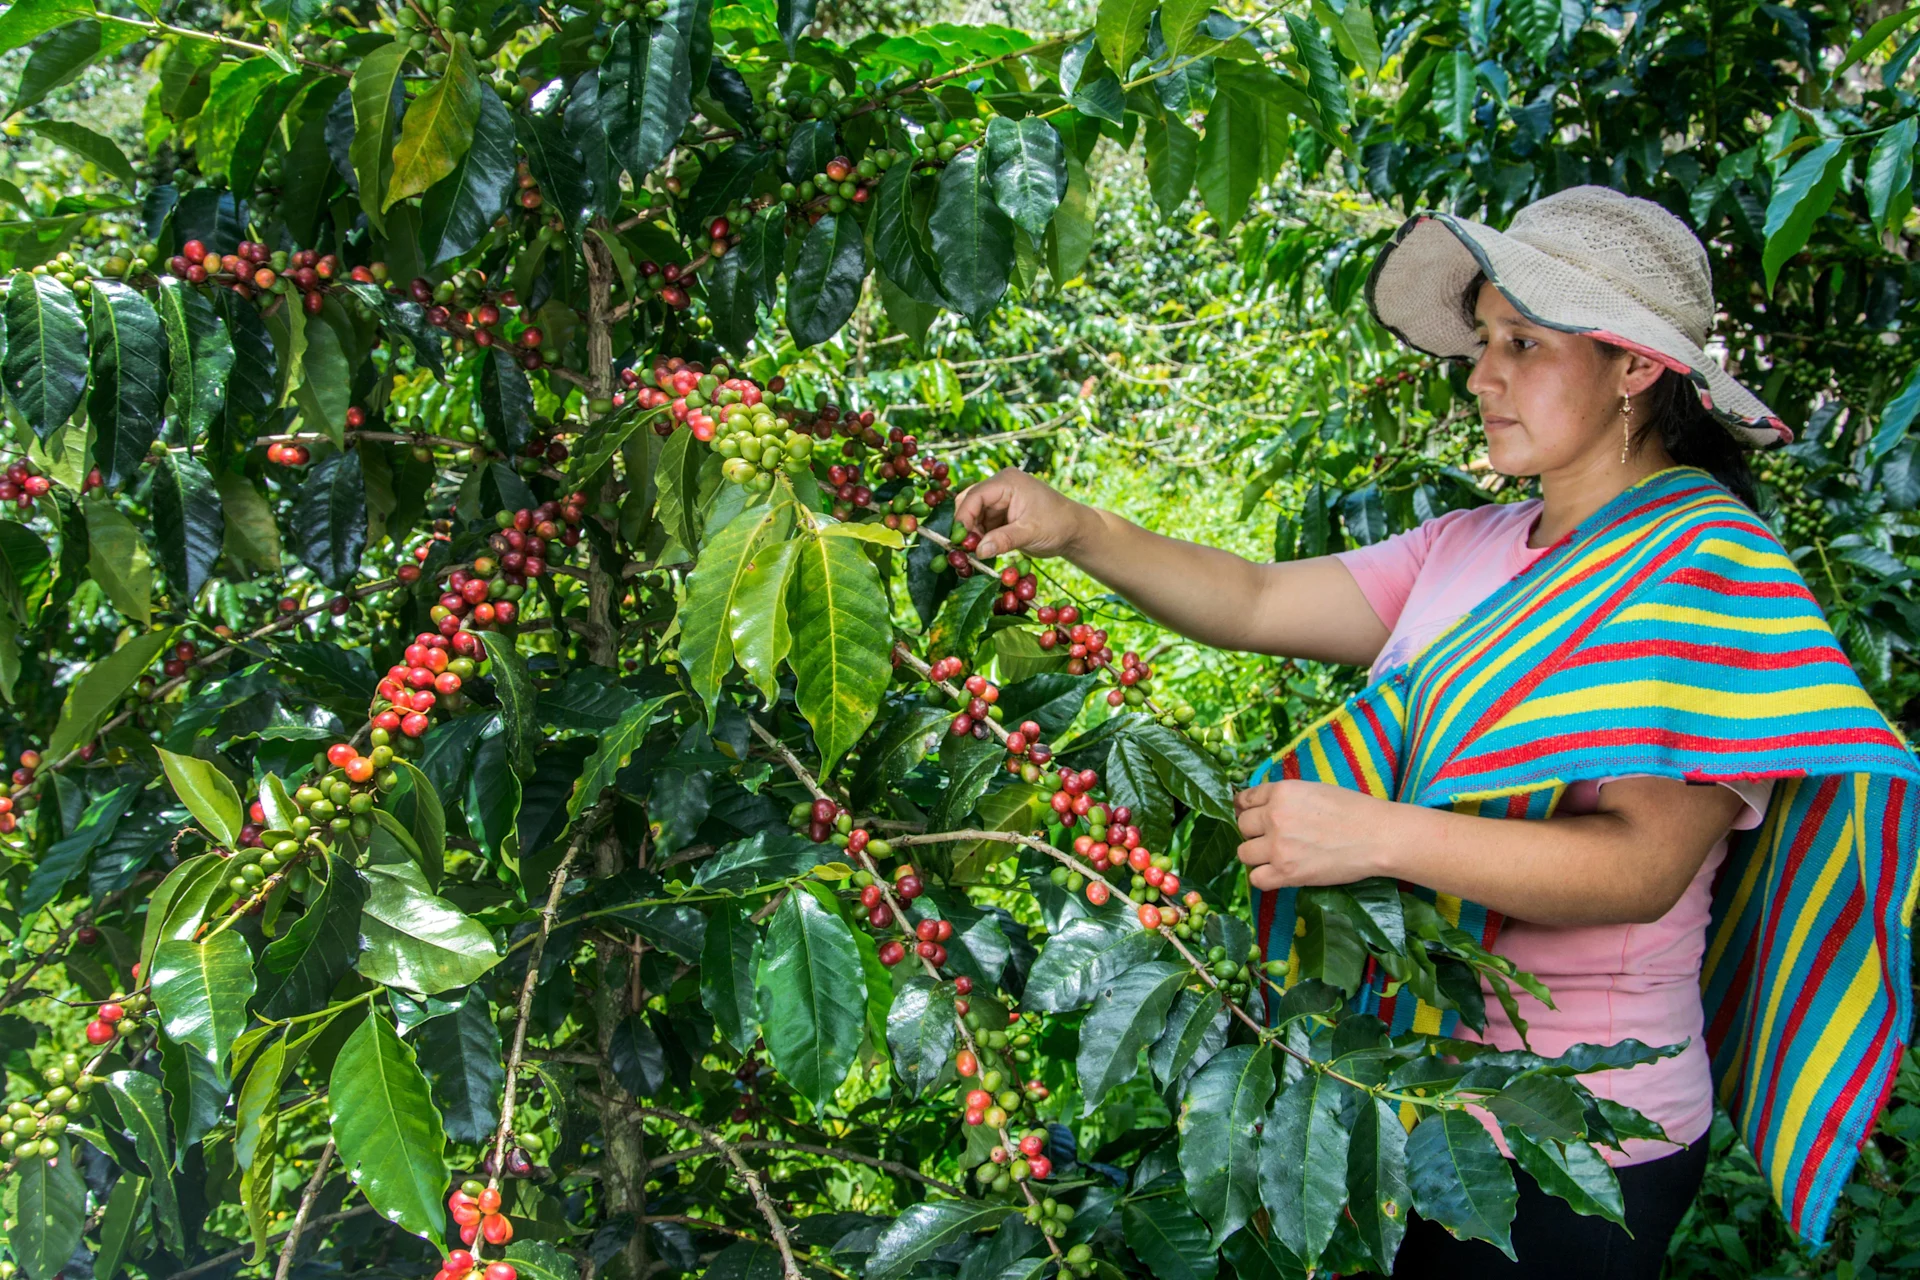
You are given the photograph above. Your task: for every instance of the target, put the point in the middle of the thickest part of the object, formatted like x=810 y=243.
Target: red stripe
x=1517 y=806
x=1808 y=992
x=1268 y=903
x=1721 y=584
x=1383 y=739
x=1716 y=655
x=1290 y=764
x=1352 y=757
x=1650 y=736
x=1830 y=1123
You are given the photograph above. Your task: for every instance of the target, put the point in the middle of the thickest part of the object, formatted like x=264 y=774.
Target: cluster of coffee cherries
x=433 y=667
x=978 y=700
x=476 y=1207
x=1237 y=977
x=1018 y=590
x=21 y=483
x=12 y=806
x=688 y=390
x=481 y=323
x=291 y=453
x=32 y=1128
x=541 y=449
x=252 y=269
x=1086 y=645
x=755 y=443
x=116 y=1017
x=179 y=659
x=842 y=183
x=460 y=1264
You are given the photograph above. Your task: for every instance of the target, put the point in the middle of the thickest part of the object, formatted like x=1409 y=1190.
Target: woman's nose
x=1480 y=377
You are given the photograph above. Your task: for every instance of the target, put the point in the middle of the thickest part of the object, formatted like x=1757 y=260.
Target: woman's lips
x=1490 y=422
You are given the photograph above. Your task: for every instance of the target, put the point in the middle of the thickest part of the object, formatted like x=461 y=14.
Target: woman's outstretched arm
x=1301 y=609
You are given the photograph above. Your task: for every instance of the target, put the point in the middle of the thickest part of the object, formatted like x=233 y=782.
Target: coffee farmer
x=1608 y=732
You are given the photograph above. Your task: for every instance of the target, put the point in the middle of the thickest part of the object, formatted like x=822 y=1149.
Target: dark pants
x=1554 y=1241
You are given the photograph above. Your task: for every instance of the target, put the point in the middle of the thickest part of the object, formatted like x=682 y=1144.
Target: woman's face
x=1549 y=401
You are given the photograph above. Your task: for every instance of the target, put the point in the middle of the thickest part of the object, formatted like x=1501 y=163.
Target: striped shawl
x=1669 y=635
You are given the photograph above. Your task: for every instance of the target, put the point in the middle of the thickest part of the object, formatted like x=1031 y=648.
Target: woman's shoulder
x=1493 y=521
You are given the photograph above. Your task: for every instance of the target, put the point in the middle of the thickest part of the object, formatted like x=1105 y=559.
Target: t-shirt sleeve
x=1755 y=794
x=1386 y=570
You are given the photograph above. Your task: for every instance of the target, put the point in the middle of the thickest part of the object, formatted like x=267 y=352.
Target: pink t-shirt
x=1610 y=982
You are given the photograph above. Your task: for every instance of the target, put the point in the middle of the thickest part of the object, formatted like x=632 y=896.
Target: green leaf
x=437 y=129
x=387 y=1129
x=1245 y=139
x=416 y=806
x=1455 y=91
x=616 y=748
x=1875 y=36
x=187 y=519
x=677 y=473
x=793 y=17
x=1303 y=1163
x=897 y=243
x=1545 y=26
x=646 y=87
x=26 y=572
x=812 y=995
x=201 y=990
x=326 y=378
x=101 y=150
x=1890 y=174
x=1325 y=85
x=1169 y=1237
x=92 y=698
x=28 y=20
x=729 y=959
x=921 y=1032
x=1196 y=1030
x=1070 y=238
x=463 y=1063
x=842 y=639
x=416 y=940
x=143 y=1112
x=328 y=525
x=972 y=237
x=519 y=701
x=1575 y=1172
x=199 y=356
x=825 y=285
x=1219 y=1154
x=375 y=107
x=208 y=795
x=538 y=1260
x=1354 y=32
x=1126 y=1017
x=50 y=1212
x=713 y=609
x=757 y=622
x=765 y=857
x=924 y=1229
x=260 y=131
x=1120 y=28
x=556 y=165
x=57 y=59
x=301 y=967
x=1896 y=418
x=1540 y=1107
x=1173 y=155
x=1084 y=957
x=236 y=88
x=1803 y=193
x=1377 y=1193
x=1460 y=1180
x=460 y=208
x=177 y=904
x=123 y=1212
x=1179 y=20
x=117 y=559
x=1029 y=166
x=46 y=351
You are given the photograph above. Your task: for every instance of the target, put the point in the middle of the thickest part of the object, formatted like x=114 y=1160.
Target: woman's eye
x=1521 y=344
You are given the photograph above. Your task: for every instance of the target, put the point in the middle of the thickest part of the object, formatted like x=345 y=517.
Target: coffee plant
x=515 y=771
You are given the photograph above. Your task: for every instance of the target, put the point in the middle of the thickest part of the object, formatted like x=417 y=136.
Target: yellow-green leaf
x=94 y=696
x=437 y=130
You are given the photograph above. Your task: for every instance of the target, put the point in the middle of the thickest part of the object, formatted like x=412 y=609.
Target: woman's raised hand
x=1015 y=512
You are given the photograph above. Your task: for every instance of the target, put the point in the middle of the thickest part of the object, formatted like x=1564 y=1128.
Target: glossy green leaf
x=259 y=132
x=1029 y=167
x=972 y=237
x=387 y=1129
x=1576 y=1172
x=519 y=700
x=924 y=1229
x=728 y=961
x=1540 y=1107
x=1196 y=1031
x=28 y=20
x=1084 y=957
x=1219 y=1153
x=416 y=940
x=97 y=148
x=328 y=524
x=51 y=1214
x=1325 y=85
x=1303 y=1163
x=301 y=967
x=93 y=697
x=616 y=748
x=1890 y=174
x=1120 y=28
x=117 y=559
x=793 y=17
x=464 y=1062
x=646 y=87
x=1803 y=193
x=46 y=352
x=677 y=474
x=825 y=286
x=1378 y=1197
x=1172 y=155
x=26 y=572
x=437 y=129
x=458 y=210
x=200 y=355
x=416 y=806
x=1170 y=1238
x=899 y=247
x=1460 y=1180
x=1245 y=139
x=177 y=904
x=811 y=996
x=201 y=990
x=921 y=1033
x=1127 y=1015
x=841 y=641
x=713 y=609
x=208 y=794
x=555 y=163
x=375 y=108
x=187 y=518
x=57 y=59
x=765 y=857
x=143 y=1113
x=125 y=1207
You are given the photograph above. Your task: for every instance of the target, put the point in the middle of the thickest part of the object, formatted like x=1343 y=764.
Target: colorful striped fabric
x=1670 y=635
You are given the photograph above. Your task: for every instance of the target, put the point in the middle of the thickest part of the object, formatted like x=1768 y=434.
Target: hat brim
x=1414 y=291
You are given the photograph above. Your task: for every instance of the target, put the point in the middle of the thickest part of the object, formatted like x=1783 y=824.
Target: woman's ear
x=1642 y=372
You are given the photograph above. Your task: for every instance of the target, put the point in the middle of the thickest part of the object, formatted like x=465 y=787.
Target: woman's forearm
x=1198 y=591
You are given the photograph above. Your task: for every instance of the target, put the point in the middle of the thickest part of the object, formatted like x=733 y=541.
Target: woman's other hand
x=1013 y=511
x=1300 y=833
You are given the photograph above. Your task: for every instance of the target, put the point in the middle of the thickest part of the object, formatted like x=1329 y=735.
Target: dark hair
x=1692 y=435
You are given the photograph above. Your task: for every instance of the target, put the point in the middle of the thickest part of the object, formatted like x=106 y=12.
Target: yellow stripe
x=1819 y=1067
x=1693 y=699
x=1830 y=868
x=1690 y=617
x=1751 y=557
x=1449 y=908
x=1773 y=827
x=1369 y=763
x=1323 y=767
x=1426 y=1019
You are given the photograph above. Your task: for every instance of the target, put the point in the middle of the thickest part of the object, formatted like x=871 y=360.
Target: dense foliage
x=513 y=757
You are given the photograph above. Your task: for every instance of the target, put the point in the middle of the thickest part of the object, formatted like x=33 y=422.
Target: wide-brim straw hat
x=1585 y=260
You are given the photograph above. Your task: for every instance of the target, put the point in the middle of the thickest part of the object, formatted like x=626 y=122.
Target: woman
x=1627 y=660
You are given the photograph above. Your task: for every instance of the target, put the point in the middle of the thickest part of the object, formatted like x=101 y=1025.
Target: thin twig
x=770 y=1144
x=775 y=1227
x=231 y=1255
x=307 y=1198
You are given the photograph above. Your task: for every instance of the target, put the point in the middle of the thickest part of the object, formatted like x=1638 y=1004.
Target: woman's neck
x=1571 y=494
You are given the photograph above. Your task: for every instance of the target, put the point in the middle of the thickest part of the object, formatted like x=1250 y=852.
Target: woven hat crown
x=1633 y=244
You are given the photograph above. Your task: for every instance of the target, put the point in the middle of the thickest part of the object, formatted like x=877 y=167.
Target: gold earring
x=1626 y=425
